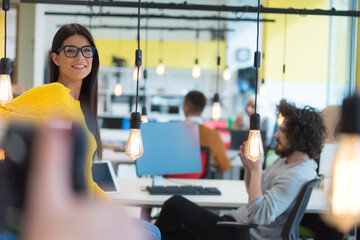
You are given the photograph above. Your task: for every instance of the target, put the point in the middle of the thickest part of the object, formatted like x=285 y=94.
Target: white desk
x=116 y=156
x=133 y=193
x=233 y=194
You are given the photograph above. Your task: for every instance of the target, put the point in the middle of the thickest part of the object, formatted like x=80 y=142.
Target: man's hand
x=248 y=164
x=242 y=156
x=253 y=172
x=54 y=211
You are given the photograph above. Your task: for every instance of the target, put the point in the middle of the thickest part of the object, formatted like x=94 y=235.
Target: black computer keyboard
x=183 y=190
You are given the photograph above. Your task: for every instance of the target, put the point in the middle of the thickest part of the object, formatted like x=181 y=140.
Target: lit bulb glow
x=6 y=95
x=226 y=75
x=2 y=154
x=216 y=111
x=160 y=69
x=345 y=199
x=144 y=119
x=118 y=89
x=280 y=119
x=134 y=146
x=196 y=71
x=254 y=148
x=262 y=90
x=134 y=76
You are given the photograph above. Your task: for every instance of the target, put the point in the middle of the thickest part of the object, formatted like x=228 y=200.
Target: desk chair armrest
x=242 y=229
x=236 y=224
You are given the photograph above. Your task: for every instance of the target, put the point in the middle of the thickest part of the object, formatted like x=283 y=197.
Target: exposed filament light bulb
x=6 y=94
x=254 y=149
x=280 y=119
x=226 y=74
x=134 y=75
x=216 y=109
x=196 y=72
x=144 y=118
x=344 y=191
x=160 y=69
x=345 y=199
x=134 y=146
x=262 y=88
x=117 y=89
x=2 y=154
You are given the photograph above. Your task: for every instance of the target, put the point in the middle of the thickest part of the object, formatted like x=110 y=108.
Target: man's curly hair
x=304 y=128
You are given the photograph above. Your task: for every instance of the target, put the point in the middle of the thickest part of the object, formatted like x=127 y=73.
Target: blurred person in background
x=193 y=105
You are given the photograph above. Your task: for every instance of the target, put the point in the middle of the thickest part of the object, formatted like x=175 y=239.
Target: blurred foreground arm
x=54 y=211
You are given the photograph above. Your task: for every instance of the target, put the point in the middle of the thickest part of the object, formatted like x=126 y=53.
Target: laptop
x=104 y=175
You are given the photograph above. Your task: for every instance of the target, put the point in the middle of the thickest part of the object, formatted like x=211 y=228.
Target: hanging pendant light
x=160 y=69
x=262 y=89
x=118 y=89
x=280 y=119
x=226 y=74
x=254 y=148
x=196 y=72
x=216 y=108
x=344 y=193
x=6 y=94
x=134 y=146
x=144 y=118
x=2 y=154
x=135 y=74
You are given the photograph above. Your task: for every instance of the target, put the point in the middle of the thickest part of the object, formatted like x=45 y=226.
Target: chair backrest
x=205 y=162
x=291 y=227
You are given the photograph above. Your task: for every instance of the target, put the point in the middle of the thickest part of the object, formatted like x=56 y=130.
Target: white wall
x=26 y=44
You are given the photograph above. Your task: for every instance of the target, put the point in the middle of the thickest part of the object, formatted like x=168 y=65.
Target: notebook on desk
x=104 y=175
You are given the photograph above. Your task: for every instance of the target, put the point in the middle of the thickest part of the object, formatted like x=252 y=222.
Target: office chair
x=205 y=163
x=291 y=227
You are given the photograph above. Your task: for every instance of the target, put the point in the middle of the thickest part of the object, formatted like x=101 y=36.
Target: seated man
x=194 y=103
x=272 y=192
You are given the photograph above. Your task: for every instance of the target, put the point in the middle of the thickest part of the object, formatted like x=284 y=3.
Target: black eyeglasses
x=72 y=51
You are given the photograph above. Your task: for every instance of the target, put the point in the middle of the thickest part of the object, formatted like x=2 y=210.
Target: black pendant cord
x=5 y=32
x=197 y=42
x=257 y=55
x=161 y=46
x=138 y=60
x=146 y=58
x=284 y=56
x=218 y=56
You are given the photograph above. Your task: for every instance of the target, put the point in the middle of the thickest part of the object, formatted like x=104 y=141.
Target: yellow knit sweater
x=50 y=101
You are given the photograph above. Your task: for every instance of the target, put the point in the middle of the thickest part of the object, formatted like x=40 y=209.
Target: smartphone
x=17 y=143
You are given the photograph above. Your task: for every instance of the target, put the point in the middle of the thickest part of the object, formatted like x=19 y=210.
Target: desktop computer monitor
x=169 y=147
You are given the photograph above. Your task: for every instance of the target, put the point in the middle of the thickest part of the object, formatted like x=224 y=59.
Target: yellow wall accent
x=307 y=43
x=2 y=34
x=176 y=54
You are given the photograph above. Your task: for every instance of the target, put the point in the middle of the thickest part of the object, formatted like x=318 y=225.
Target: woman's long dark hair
x=89 y=89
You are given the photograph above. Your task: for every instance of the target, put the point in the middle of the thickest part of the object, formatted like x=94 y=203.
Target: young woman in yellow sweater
x=72 y=93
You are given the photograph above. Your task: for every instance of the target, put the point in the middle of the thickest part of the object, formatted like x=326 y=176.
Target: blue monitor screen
x=171 y=147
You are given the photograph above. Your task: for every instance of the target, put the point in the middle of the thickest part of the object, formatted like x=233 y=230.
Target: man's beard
x=284 y=152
